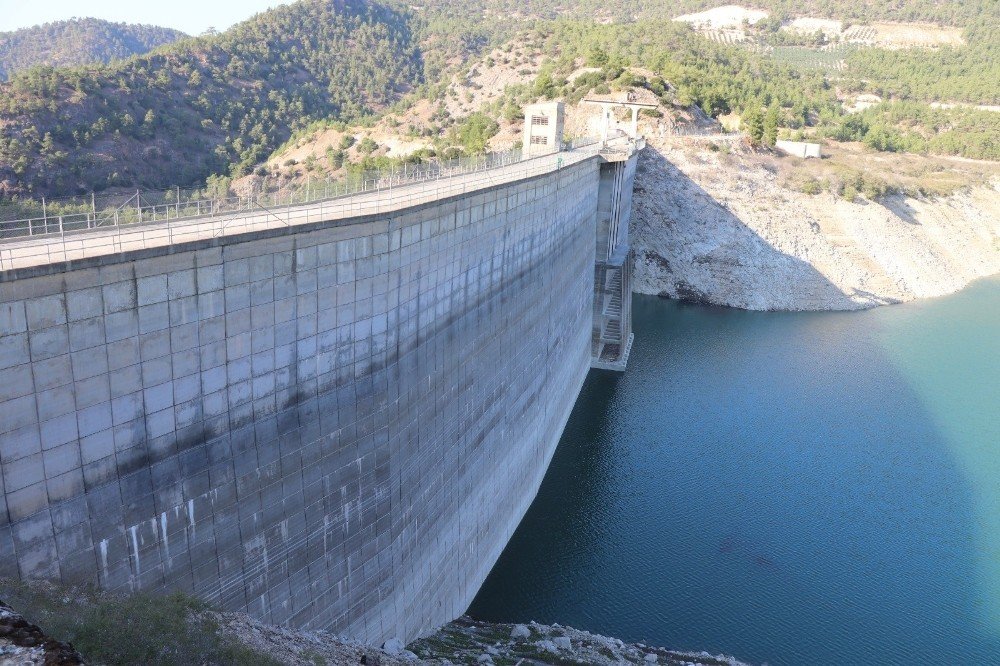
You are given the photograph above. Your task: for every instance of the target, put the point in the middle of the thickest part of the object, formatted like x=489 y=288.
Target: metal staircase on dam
x=612 y=333
x=612 y=329
x=612 y=306
x=612 y=337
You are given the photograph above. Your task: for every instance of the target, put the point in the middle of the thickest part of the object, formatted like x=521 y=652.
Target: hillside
x=224 y=104
x=934 y=11
x=79 y=41
x=725 y=222
x=216 y=104
x=569 y=58
x=726 y=228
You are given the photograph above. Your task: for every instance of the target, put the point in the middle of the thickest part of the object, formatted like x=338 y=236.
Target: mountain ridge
x=211 y=104
x=78 y=41
x=222 y=104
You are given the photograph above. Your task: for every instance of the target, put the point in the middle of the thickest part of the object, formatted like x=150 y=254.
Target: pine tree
x=753 y=123
x=771 y=125
x=48 y=145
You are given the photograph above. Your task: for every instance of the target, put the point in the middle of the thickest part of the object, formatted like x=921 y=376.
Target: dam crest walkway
x=26 y=247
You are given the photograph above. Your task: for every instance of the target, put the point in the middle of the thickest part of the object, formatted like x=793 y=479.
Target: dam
x=328 y=415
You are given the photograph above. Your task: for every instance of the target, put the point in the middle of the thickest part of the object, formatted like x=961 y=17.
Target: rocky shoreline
x=463 y=641
x=468 y=641
x=720 y=228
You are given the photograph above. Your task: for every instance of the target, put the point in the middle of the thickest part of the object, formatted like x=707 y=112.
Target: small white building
x=798 y=148
x=543 y=128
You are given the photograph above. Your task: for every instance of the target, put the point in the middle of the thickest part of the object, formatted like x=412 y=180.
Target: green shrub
x=139 y=629
x=335 y=157
x=476 y=131
x=812 y=186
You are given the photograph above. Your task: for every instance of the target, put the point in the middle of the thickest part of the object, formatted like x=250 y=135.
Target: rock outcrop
x=25 y=644
x=299 y=647
x=468 y=641
x=464 y=641
x=717 y=228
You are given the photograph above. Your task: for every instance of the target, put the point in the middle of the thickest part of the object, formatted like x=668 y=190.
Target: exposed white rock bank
x=720 y=229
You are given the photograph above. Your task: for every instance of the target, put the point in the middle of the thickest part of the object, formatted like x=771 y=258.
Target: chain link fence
x=139 y=222
x=114 y=208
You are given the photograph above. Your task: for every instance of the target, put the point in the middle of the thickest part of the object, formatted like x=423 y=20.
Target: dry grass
x=902 y=35
x=902 y=172
x=172 y=630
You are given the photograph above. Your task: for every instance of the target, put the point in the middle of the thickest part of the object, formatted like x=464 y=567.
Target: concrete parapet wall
x=336 y=425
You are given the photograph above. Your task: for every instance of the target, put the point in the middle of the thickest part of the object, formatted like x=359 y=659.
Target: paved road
x=53 y=248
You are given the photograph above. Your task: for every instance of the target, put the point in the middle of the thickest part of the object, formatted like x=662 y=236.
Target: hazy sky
x=191 y=16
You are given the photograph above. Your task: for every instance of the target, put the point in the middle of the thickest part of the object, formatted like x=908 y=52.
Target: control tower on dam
x=331 y=414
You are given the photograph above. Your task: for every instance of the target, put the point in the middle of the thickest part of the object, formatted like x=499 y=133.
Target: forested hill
x=215 y=104
x=222 y=104
x=943 y=12
x=78 y=42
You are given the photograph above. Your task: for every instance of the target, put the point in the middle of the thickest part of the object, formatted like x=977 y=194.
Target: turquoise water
x=789 y=488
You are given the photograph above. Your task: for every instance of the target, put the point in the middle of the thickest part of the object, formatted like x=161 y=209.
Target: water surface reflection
x=786 y=487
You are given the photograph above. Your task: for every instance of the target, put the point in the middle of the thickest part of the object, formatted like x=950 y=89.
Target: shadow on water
x=767 y=485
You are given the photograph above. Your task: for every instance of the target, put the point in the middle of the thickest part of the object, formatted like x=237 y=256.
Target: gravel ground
x=464 y=641
x=306 y=648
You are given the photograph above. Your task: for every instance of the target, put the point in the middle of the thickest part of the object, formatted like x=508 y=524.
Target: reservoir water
x=788 y=488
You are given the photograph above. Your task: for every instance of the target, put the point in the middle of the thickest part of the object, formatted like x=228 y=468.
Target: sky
x=190 y=16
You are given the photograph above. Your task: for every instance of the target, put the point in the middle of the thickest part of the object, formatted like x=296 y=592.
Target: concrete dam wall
x=332 y=425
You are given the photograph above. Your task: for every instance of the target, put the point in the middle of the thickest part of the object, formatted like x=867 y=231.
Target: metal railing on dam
x=137 y=224
x=329 y=423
